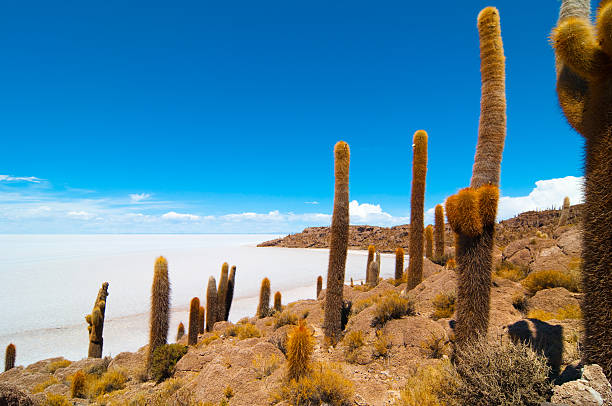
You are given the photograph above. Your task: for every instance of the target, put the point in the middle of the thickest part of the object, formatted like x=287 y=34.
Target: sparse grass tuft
x=78 y=386
x=243 y=331
x=434 y=347
x=109 y=381
x=382 y=345
x=353 y=341
x=539 y=280
x=284 y=318
x=568 y=312
x=54 y=366
x=53 y=399
x=508 y=270
x=392 y=306
x=444 y=305
x=265 y=366
x=422 y=388
x=44 y=385
x=207 y=340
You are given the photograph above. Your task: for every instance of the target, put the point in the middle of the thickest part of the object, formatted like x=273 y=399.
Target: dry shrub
x=571 y=311
x=44 y=385
x=363 y=288
x=363 y=304
x=265 y=366
x=53 y=399
x=381 y=345
x=325 y=384
x=520 y=302
x=242 y=331
x=504 y=374
x=539 y=280
x=78 y=387
x=444 y=305
x=434 y=347
x=164 y=360
x=284 y=318
x=166 y=390
x=423 y=387
x=207 y=340
x=392 y=306
x=508 y=270
x=109 y=381
x=353 y=341
x=54 y=366
x=99 y=369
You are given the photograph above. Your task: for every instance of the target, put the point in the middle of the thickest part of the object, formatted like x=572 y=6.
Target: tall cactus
x=429 y=241
x=278 y=306
x=95 y=322
x=373 y=273
x=263 y=308
x=371 y=252
x=300 y=346
x=194 y=321
x=160 y=307
x=439 y=232
x=471 y=212
x=584 y=54
x=211 y=303
x=564 y=211
x=338 y=245
x=222 y=291
x=417 y=206
x=399 y=263
x=9 y=357
x=319 y=285
x=230 y=292
x=201 y=320
x=180 y=331
x=378 y=263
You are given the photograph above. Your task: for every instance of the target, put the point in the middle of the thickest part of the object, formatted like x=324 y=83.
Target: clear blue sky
x=215 y=108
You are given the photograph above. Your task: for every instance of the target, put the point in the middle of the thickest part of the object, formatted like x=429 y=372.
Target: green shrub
x=53 y=399
x=54 y=366
x=164 y=360
x=444 y=305
x=539 y=280
x=284 y=318
x=392 y=306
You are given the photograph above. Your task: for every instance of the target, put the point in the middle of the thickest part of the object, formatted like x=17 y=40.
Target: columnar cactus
x=338 y=246
x=583 y=54
x=211 y=303
x=371 y=252
x=399 y=263
x=471 y=212
x=95 y=322
x=263 y=309
x=417 y=203
x=439 y=232
x=373 y=273
x=9 y=357
x=160 y=307
x=300 y=346
x=429 y=241
x=194 y=321
x=378 y=262
x=278 y=307
x=180 y=332
x=230 y=292
x=201 y=320
x=564 y=212
x=319 y=285
x=222 y=291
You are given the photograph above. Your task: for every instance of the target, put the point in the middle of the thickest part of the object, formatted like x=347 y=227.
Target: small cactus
x=201 y=320
x=95 y=322
x=399 y=263
x=439 y=232
x=9 y=358
x=222 y=291
x=371 y=253
x=300 y=345
x=319 y=285
x=230 y=292
x=417 y=207
x=180 y=332
x=278 y=307
x=160 y=307
x=194 y=321
x=211 y=303
x=263 y=309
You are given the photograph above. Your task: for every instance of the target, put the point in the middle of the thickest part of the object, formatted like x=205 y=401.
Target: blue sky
x=126 y=112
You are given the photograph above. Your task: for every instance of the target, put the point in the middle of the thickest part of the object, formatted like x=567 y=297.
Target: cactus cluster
x=263 y=309
x=417 y=207
x=338 y=246
x=95 y=323
x=583 y=54
x=160 y=307
x=9 y=357
x=439 y=232
x=195 y=321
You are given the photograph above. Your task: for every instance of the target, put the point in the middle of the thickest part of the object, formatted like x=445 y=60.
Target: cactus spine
x=429 y=241
x=201 y=320
x=9 y=357
x=417 y=203
x=439 y=232
x=278 y=307
x=211 y=303
x=180 y=332
x=583 y=53
x=222 y=291
x=230 y=292
x=471 y=212
x=399 y=263
x=95 y=322
x=371 y=252
x=564 y=212
x=300 y=345
x=264 y=299
x=338 y=246
x=194 y=321
x=160 y=307
x=319 y=285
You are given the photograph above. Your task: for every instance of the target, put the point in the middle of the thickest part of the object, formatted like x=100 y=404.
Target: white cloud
x=372 y=214
x=83 y=215
x=139 y=197
x=172 y=215
x=313 y=202
x=9 y=178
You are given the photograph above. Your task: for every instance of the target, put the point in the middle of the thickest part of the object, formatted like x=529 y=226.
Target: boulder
x=551 y=300
x=11 y=395
x=592 y=389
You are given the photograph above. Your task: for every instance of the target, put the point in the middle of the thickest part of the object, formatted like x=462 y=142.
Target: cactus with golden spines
x=319 y=285
x=300 y=346
x=399 y=263
x=429 y=242
x=222 y=291
x=230 y=292
x=417 y=207
x=338 y=246
x=211 y=303
x=472 y=211
x=438 y=232
x=180 y=331
x=263 y=308
x=160 y=307
x=584 y=54
x=95 y=323
x=278 y=307
x=194 y=321
x=201 y=320
x=564 y=211
x=9 y=357
x=371 y=253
